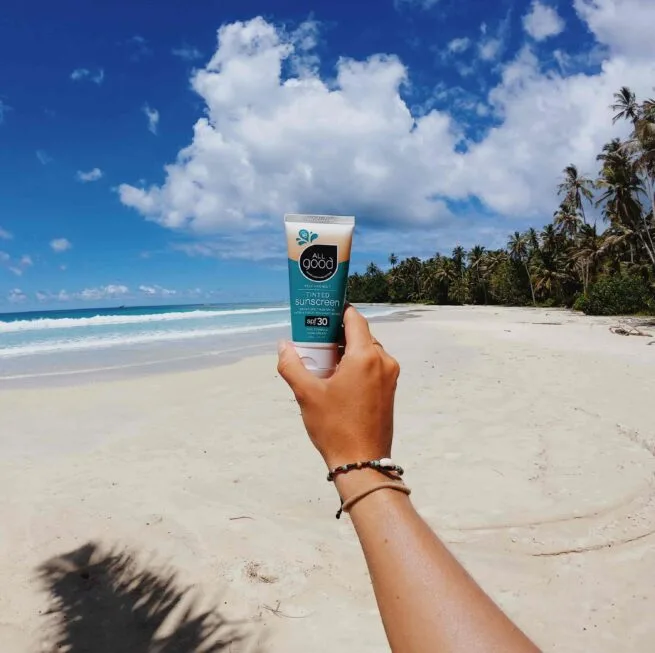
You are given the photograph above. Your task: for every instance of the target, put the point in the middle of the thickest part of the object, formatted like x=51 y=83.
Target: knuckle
x=369 y=357
x=392 y=367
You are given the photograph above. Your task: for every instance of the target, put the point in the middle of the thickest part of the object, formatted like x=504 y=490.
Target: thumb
x=291 y=369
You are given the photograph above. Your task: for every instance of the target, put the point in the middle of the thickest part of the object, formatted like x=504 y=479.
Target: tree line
x=570 y=262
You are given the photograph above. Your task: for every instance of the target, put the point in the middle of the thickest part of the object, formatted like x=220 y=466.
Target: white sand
x=530 y=449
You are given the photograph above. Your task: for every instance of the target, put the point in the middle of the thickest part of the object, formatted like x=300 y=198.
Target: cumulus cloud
x=542 y=21
x=156 y=291
x=61 y=296
x=5 y=235
x=273 y=142
x=492 y=41
x=187 y=53
x=270 y=145
x=96 y=77
x=103 y=292
x=16 y=266
x=152 y=116
x=59 y=245
x=92 y=175
x=625 y=26
x=457 y=46
x=16 y=296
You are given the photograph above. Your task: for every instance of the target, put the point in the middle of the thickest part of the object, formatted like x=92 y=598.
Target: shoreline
x=245 y=346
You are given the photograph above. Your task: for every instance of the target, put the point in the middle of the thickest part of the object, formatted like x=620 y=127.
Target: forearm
x=427 y=600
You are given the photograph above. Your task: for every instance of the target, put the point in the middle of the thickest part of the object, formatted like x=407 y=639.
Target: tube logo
x=319 y=262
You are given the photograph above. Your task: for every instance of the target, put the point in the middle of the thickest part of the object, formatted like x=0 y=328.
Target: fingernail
x=281 y=346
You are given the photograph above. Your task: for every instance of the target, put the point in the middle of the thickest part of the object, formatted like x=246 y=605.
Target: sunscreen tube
x=319 y=256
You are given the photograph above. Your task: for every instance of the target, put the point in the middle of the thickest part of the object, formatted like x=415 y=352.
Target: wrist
x=358 y=480
x=338 y=460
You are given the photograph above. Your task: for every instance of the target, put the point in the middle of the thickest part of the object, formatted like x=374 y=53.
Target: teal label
x=318 y=287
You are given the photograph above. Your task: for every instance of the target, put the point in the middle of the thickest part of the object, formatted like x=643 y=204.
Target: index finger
x=358 y=335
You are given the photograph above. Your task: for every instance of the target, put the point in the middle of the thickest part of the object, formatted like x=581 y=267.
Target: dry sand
x=528 y=437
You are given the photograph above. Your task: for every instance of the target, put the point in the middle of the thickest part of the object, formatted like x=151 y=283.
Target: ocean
x=54 y=342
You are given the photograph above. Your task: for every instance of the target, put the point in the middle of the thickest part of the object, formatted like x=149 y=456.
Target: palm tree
x=566 y=220
x=517 y=246
x=575 y=189
x=641 y=145
x=476 y=260
x=587 y=254
x=625 y=104
x=393 y=260
x=532 y=239
x=622 y=190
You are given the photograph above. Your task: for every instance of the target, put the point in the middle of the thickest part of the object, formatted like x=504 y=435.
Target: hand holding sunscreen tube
x=319 y=257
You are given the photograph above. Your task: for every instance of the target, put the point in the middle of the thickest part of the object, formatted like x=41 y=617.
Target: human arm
x=427 y=601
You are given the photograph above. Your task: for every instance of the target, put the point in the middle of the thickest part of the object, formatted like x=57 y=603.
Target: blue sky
x=148 y=152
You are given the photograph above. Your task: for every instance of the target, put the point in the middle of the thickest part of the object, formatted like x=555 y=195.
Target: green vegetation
x=569 y=262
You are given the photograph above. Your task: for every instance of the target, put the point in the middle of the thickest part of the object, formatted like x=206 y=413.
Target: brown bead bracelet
x=384 y=465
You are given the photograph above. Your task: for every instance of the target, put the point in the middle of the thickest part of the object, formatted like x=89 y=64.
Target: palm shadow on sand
x=106 y=601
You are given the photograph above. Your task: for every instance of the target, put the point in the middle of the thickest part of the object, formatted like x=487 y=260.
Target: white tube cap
x=321 y=359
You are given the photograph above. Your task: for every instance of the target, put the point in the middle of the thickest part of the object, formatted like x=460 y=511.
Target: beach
x=526 y=435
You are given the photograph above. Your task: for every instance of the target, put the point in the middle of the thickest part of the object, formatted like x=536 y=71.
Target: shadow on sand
x=106 y=601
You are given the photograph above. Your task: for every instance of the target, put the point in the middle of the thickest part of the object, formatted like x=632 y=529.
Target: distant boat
x=120 y=308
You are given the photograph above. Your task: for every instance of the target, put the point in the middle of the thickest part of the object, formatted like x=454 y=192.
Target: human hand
x=349 y=417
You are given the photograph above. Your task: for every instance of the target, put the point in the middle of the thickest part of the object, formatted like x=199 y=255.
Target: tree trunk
x=527 y=269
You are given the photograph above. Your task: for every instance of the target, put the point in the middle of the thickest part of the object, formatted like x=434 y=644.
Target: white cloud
x=80 y=74
x=17 y=267
x=139 y=47
x=423 y=4
x=43 y=157
x=153 y=118
x=542 y=21
x=92 y=175
x=16 y=296
x=492 y=42
x=103 y=292
x=625 y=26
x=59 y=245
x=4 y=109
x=187 y=53
x=457 y=46
x=490 y=49
x=5 y=235
x=350 y=144
x=61 y=296
x=156 y=291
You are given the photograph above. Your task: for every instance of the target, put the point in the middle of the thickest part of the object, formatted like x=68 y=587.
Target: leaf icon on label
x=313 y=238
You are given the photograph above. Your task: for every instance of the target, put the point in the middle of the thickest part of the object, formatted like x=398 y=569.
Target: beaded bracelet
x=384 y=465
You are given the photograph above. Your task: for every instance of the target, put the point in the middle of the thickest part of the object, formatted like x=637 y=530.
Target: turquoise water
x=120 y=328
